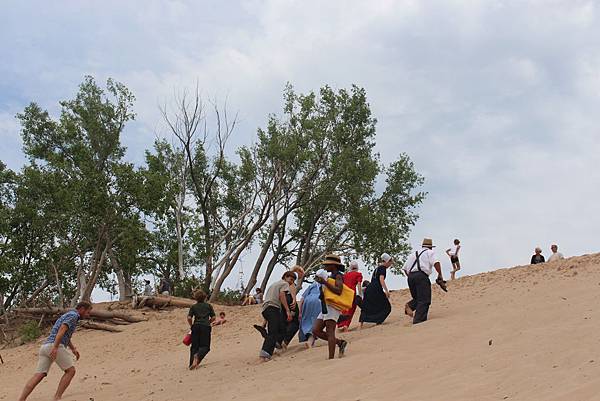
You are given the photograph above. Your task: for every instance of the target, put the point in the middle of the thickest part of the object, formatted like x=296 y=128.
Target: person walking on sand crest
x=453 y=254
x=555 y=254
x=418 y=267
x=54 y=349
x=537 y=256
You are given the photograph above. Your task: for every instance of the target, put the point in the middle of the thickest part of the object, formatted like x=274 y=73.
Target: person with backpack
x=418 y=267
x=376 y=307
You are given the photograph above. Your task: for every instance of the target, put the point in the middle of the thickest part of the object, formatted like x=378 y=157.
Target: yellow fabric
x=341 y=302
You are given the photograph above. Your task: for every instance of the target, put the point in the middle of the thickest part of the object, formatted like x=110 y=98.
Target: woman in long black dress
x=376 y=305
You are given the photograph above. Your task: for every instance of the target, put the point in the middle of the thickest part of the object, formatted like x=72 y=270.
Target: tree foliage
x=78 y=215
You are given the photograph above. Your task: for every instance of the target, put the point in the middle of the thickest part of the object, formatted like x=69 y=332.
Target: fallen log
x=97 y=314
x=99 y=326
x=162 y=301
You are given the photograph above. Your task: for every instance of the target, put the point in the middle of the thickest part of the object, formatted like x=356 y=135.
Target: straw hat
x=427 y=243
x=335 y=261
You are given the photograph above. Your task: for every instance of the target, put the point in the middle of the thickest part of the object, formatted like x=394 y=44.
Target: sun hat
x=335 y=261
x=385 y=257
x=428 y=243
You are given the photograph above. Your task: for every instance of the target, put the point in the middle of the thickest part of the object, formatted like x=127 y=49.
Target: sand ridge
x=542 y=322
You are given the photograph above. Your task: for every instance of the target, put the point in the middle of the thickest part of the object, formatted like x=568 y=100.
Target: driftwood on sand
x=161 y=302
x=94 y=314
x=109 y=319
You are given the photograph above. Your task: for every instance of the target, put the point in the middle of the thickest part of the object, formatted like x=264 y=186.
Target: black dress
x=376 y=306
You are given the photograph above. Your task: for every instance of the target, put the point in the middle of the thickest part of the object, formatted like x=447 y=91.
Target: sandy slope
x=544 y=323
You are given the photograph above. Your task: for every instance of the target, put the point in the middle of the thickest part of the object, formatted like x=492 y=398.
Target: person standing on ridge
x=453 y=254
x=555 y=254
x=55 y=350
x=418 y=267
x=537 y=256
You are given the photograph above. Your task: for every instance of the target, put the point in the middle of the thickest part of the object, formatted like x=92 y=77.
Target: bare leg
x=31 y=384
x=318 y=330
x=331 y=340
x=65 y=380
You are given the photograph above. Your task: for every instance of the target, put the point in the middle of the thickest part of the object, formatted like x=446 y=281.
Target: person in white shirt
x=418 y=267
x=453 y=253
x=555 y=254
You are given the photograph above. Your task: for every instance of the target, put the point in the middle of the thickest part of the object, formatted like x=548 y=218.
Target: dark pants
x=290 y=328
x=200 y=341
x=275 y=327
x=420 y=290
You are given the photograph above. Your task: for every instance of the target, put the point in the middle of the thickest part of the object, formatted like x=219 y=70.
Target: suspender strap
x=418 y=255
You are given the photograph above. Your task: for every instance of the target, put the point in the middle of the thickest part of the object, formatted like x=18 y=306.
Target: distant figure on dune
x=555 y=254
x=353 y=279
x=220 y=321
x=453 y=254
x=418 y=267
x=328 y=321
x=54 y=350
x=253 y=300
x=275 y=301
x=310 y=308
x=147 y=288
x=376 y=305
x=537 y=256
x=165 y=287
x=200 y=317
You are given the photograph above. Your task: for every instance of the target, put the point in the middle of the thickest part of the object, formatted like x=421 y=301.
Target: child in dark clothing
x=200 y=317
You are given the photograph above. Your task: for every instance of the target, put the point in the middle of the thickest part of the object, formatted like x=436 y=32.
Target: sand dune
x=543 y=323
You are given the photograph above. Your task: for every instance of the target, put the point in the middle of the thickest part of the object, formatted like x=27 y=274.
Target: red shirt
x=352 y=279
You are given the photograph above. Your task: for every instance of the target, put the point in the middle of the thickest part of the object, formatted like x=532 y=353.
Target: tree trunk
x=94 y=313
x=100 y=326
x=80 y=281
x=95 y=271
x=61 y=298
x=37 y=292
x=179 y=230
x=123 y=278
x=268 y=272
x=140 y=302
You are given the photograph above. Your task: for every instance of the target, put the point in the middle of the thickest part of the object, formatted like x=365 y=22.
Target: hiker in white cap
x=418 y=267
x=376 y=305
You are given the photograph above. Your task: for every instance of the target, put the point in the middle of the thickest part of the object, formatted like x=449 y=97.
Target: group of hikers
x=539 y=258
x=328 y=303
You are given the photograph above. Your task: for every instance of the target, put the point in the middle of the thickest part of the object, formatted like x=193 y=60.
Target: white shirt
x=426 y=261
x=453 y=250
x=555 y=256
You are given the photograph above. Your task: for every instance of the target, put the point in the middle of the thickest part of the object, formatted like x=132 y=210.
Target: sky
x=496 y=102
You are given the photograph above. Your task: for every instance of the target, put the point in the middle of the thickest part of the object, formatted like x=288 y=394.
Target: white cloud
x=496 y=102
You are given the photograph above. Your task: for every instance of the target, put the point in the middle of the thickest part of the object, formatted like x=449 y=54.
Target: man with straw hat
x=418 y=267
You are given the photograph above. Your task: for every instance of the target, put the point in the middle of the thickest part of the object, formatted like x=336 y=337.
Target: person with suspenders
x=418 y=267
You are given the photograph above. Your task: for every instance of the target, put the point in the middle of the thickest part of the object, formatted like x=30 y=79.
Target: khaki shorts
x=64 y=359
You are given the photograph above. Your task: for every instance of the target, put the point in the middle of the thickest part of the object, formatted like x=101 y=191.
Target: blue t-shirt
x=70 y=319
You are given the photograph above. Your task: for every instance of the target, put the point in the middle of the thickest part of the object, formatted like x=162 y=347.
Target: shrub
x=229 y=297
x=30 y=331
